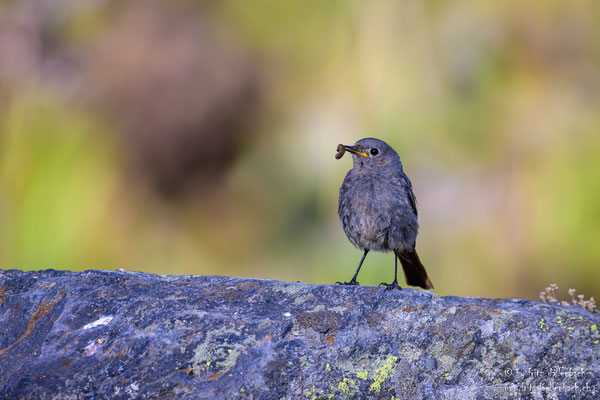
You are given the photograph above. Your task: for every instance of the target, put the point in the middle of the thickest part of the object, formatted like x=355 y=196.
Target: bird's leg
x=353 y=280
x=393 y=285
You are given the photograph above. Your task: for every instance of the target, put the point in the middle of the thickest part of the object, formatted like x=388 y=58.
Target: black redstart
x=378 y=209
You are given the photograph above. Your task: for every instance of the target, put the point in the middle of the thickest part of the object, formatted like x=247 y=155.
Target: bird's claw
x=390 y=286
x=351 y=283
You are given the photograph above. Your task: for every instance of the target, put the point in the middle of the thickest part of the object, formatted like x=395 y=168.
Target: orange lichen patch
x=91 y=348
x=39 y=313
x=215 y=376
x=66 y=364
x=330 y=338
x=410 y=309
x=1 y=295
x=265 y=339
x=186 y=370
x=492 y=311
x=483 y=309
x=120 y=352
x=117 y=354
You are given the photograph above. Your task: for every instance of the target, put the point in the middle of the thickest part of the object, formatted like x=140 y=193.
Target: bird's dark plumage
x=378 y=209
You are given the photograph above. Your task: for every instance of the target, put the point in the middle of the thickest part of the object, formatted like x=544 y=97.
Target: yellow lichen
x=344 y=388
x=362 y=375
x=346 y=385
x=381 y=374
x=311 y=392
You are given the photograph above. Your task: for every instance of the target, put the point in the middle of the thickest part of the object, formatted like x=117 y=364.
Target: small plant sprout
x=550 y=295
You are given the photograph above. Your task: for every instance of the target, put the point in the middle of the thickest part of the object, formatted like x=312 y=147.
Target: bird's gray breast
x=375 y=212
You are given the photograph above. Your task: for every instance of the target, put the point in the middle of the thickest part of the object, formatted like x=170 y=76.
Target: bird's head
x=372 y=153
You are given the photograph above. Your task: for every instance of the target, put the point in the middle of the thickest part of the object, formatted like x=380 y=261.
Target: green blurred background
x=185 y=137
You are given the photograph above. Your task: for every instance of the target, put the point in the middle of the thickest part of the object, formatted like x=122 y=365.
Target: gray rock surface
x=122 y=335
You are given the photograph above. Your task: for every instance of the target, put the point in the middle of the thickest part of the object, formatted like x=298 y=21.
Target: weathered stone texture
x=125 y=335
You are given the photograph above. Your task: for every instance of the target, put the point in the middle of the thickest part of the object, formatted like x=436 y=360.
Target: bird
x=378 y=210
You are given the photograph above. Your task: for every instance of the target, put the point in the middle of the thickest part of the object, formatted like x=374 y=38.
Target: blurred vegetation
x=198 y=137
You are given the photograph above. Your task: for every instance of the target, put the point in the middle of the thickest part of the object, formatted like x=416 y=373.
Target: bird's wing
x=410 y=195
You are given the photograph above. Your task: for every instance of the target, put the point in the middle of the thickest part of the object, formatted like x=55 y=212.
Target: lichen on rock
x=121 y=335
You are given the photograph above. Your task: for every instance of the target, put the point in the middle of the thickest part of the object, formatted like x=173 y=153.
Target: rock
x=122 y=335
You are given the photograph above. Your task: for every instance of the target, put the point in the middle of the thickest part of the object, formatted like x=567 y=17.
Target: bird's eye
x=374 y=152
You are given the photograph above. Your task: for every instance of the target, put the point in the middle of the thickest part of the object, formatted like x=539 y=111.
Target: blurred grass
x=57 y=177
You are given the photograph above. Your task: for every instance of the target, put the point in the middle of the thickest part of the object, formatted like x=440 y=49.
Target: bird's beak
x=353 y=149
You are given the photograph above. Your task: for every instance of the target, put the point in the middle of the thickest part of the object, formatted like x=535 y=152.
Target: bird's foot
x=353 y=282
x=390 y=286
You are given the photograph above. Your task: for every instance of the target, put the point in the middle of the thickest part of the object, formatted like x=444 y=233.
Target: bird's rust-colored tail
x=414 y=271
